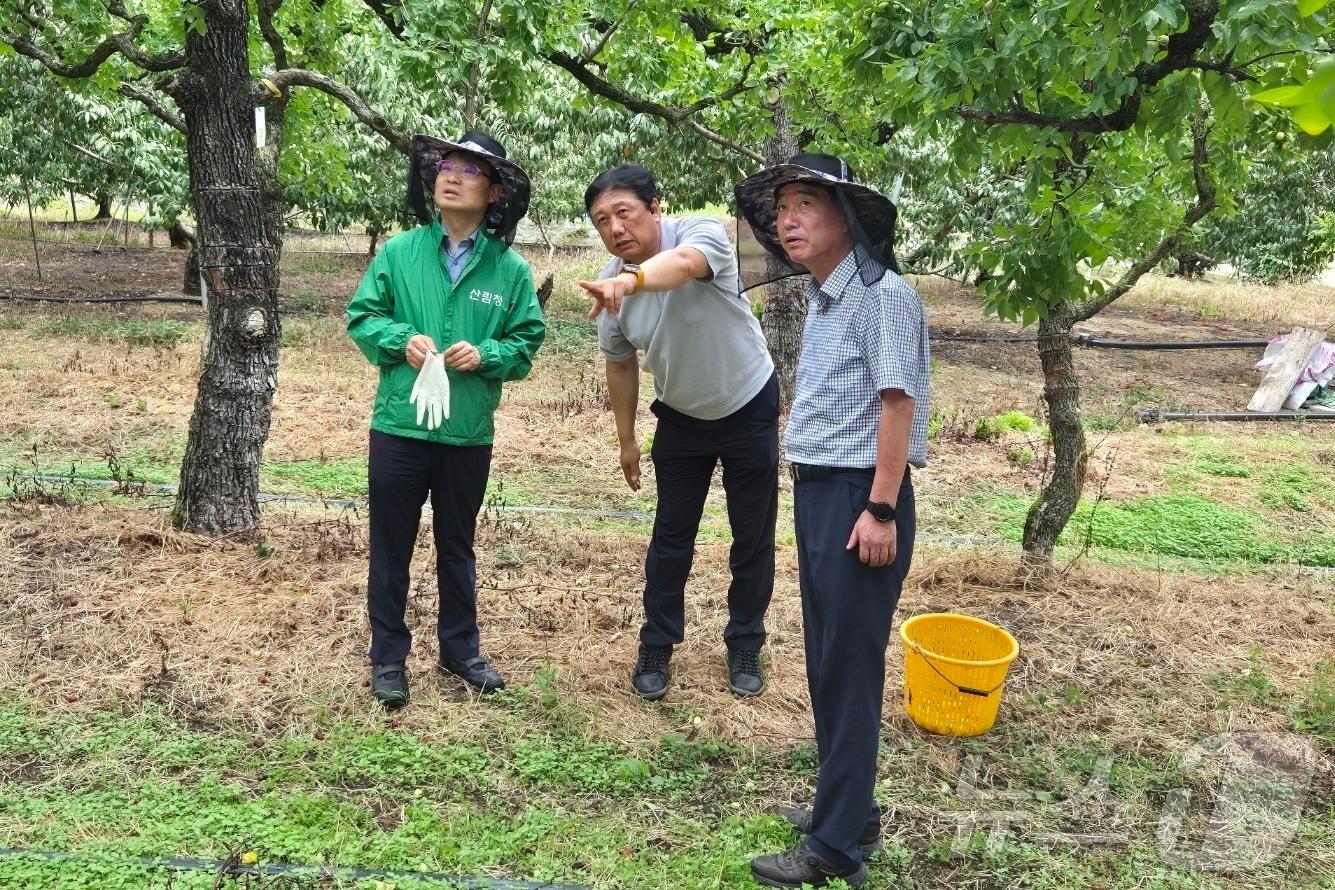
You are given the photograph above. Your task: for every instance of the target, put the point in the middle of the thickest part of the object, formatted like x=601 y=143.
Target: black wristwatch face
x=880 y=511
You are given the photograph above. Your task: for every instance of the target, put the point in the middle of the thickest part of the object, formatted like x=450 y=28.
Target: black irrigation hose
x=1087 y=340
x=952 y=337
x=939 y=336
x=139 y=298
x=128 y=298
x=1100 y=343
x=158 y=488
x=1154 y=415
x=314 y=872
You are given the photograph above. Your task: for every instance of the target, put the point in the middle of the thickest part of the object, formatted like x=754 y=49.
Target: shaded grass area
x=534 y=797
x=538 y=801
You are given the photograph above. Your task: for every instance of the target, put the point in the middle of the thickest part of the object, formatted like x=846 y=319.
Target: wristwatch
x=639 y=277
x=881 y=512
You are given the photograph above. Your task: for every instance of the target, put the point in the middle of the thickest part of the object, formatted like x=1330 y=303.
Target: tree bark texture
x=103 y=207
x=219 y=492
x=785 y=298
x=190 y=281
x=1061 y=392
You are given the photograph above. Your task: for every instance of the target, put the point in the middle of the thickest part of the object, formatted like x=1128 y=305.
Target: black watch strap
x=881 y=512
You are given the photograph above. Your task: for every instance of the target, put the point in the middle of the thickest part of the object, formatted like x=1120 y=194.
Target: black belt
x=814 y=472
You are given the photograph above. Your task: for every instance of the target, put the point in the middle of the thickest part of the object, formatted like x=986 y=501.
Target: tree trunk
x=1061 y=391
x=103 y=207
x=784 y=318
x=785 y=299
x=219 y=491
x=190 y=283
x=266 y=166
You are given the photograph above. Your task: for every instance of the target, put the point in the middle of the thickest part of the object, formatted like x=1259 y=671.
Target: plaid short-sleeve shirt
x=858 y=341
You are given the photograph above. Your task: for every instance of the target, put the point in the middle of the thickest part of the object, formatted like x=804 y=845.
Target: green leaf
x=1224 y=99
x=1281 y=96
x=1312 y=118
x=1308 y=7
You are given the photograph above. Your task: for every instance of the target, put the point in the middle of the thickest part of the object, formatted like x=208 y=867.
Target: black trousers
x=847 y=608
x=685 y=452
x=402 y=473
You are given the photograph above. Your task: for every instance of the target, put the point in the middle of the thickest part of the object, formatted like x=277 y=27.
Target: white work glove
x=431 y=392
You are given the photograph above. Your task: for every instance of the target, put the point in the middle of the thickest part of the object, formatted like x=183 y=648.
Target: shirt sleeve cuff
x=397 y=341
x=489 y=352
x=895 y=381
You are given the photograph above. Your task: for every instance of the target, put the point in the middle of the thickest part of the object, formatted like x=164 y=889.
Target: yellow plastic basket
x=954 y=669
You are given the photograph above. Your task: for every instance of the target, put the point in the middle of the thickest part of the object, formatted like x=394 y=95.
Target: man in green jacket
x=450 y=290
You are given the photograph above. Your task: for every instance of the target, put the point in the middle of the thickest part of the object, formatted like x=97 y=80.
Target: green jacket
x=493 y=305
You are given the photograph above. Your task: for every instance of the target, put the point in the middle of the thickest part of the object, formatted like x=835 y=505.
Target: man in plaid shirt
x=857 y=424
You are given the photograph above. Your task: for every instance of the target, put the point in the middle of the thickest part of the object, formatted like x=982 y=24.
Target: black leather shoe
x=476 y=671
x=798 y=866
x=800 y=818
x=389 y=684
x=744 y=675
x=651 y=672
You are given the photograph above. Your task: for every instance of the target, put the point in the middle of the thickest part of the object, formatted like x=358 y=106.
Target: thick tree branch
x=1180 y=55
x=741 y=86
x=300 y=77
x=149 y=99
x=122 y=42
x=57 y=66
x=602 y=87
x=703 y=27
x=1231 y=71
x=383 y=10
x=475 y=69
x=726 y=142
x=592 y=52
x=1205 y=203
x=145 y=60
x=595 y=84
x=277 y=45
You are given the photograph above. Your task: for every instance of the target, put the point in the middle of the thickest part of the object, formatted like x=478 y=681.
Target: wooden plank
x=1279 y=378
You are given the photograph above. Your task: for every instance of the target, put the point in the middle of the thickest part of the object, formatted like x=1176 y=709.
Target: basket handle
x=967 y=690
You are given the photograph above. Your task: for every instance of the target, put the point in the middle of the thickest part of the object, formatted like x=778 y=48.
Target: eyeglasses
x=469 y=170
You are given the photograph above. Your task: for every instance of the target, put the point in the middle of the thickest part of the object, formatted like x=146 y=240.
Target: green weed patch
x=1181 y=524
x=996 y=426
x=330 y=478
x=138 y=332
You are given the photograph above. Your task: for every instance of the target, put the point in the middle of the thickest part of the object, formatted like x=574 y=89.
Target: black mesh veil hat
x=504 y=214
x=869 y=214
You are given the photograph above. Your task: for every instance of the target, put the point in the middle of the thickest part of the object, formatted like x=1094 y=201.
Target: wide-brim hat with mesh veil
x=504 y=214
x=869 y=214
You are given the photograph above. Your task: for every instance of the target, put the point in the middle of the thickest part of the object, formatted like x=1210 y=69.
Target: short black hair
x=635 y=178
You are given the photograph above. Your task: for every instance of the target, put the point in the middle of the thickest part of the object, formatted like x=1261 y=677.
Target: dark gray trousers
x=847 y=609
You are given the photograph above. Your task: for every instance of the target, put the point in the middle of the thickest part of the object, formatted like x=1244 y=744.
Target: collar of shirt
x=443 y=237
x=831 y=290
x=464 y=244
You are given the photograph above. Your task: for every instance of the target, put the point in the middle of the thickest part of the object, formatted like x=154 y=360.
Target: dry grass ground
x=107 y=604
x=104 y=607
